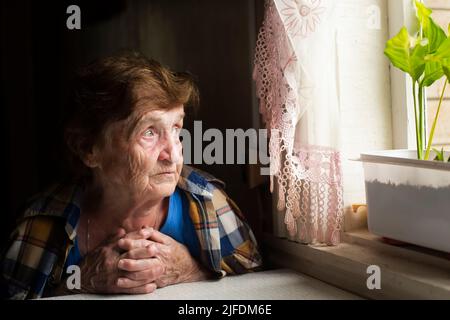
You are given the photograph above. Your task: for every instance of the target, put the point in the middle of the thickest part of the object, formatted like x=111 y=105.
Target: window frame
x=401 y=13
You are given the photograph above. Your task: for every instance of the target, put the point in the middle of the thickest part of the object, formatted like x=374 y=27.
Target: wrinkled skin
x=136 y=167
x=172 y=260
x=138 y=263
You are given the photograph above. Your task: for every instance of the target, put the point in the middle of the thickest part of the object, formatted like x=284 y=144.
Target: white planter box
x=408 y=199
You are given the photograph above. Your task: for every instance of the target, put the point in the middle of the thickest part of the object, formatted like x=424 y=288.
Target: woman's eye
x=176 y=130
x=149 y=133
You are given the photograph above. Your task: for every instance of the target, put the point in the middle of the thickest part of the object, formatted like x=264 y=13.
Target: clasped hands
x=138 y=263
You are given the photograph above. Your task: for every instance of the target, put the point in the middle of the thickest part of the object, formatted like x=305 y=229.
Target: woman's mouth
x=166 y=173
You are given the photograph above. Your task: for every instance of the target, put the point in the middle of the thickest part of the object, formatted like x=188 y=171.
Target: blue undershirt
x=178 y=225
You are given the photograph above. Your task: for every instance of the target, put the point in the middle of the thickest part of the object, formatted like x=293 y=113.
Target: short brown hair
x=105 y=92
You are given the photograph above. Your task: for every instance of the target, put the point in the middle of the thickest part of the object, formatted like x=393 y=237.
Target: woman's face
x=142 y=155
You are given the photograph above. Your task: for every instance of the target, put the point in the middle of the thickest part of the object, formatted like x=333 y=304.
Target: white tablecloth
x=281 y=284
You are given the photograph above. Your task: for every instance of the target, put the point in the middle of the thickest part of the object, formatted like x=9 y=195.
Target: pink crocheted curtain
x=295 y=74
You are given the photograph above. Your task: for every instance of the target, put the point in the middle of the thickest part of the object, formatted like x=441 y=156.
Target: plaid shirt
x=34 y=261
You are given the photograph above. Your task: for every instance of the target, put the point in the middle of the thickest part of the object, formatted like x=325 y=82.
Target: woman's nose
x=170 y=150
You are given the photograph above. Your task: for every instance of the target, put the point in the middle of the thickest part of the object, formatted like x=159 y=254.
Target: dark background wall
x=212 y=39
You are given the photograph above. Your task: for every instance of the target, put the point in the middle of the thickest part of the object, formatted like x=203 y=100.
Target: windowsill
x=407 y=272
x=280 y=284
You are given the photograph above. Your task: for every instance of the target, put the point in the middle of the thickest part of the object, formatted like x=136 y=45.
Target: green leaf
x=433 y=72
x=400 y=54
x=446 y=69
x=443 y=52
x=439 y=154
x=434 y=63
x=435 y=35
x=431 y=31
x=436 y=41
x=423 y=13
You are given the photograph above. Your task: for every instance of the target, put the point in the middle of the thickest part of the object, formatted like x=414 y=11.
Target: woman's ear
x=91 y=159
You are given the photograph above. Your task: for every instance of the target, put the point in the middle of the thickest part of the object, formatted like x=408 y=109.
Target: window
x=441 y=14
x=402 y=13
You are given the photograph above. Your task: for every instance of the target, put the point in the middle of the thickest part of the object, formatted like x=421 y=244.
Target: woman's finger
x=151 y=274
x=159 y=237
x=137 y=265
x=140 y=253
x=143 y=233
x=146 y=288
x=130 y=244
x=129 y=283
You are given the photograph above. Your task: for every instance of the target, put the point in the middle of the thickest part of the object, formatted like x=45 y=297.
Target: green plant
x=439 y=154
x=425 y=56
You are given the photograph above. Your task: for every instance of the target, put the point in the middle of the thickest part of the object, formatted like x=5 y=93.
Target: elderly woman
x=133 y=218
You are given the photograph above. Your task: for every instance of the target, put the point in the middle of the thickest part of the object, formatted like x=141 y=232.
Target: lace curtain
x=295 y=74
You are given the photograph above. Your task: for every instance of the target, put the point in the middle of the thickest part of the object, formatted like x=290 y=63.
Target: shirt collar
x=198 y=182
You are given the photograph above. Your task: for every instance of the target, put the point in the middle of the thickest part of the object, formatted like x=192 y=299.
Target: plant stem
x=421 y=120
x=427 y=154
x=416 y=121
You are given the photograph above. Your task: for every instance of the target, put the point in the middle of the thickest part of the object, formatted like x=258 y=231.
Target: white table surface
x=281 y=284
